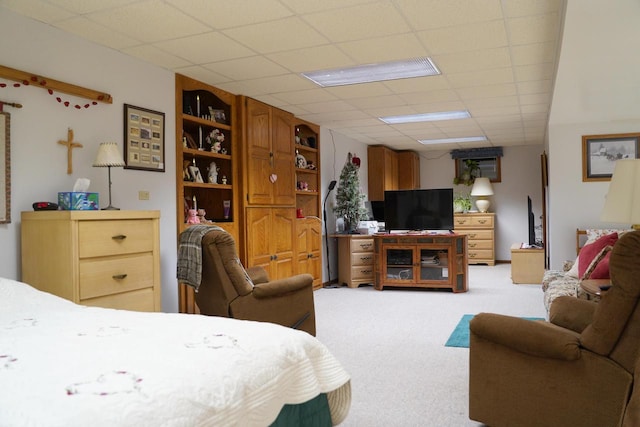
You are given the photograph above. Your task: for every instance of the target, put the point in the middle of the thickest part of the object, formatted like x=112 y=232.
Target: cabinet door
x=408 y=170
x=283 y=158
x=282 y=241
x=309 y=247
x=258 y=241
x=259 y=158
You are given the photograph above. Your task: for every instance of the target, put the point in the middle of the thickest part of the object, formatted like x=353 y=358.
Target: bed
x=63 y=364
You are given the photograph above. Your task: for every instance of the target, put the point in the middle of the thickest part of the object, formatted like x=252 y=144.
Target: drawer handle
x=472 y=255
x=482 y=221
x=119 y=237
x=119 y=276
x=365 y=271
x=365 y=245
x=365 y=258
x=309 y=255
x=472 y=245
x=472 y=235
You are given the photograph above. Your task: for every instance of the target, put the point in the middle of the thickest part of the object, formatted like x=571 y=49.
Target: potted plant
x=461 y=202
x=469 y=173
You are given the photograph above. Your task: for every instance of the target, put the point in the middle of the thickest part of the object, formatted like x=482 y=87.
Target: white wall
x=597 y=92
x=521 y=177
x=39 y=163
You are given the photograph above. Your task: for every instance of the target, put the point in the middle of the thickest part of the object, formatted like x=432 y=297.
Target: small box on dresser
x=100 y=258
x=480 y=231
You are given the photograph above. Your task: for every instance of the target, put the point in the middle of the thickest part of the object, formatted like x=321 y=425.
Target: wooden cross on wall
x=70 y=146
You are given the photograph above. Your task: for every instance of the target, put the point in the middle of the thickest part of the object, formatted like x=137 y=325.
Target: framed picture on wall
x=143 y=139
x=600 y=152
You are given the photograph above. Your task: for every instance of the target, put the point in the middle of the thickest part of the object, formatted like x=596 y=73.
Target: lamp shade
x=622 y=203
x=482 y=187
x=108 y=155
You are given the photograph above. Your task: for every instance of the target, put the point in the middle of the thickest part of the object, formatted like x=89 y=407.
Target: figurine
x=201 y=214
x=213 y=173
x=310 y=165
x=193 y=217
x=224 y=179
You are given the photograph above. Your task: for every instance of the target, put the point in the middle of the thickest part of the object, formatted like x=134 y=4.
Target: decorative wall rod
x=50 y=84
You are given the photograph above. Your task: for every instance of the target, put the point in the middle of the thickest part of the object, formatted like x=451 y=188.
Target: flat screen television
x=375 y=208
x=419 y=210
x=532 y=223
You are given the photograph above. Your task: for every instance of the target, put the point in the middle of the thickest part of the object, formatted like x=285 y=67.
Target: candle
x=198 y=104
x=200 y=138
x=195 y=203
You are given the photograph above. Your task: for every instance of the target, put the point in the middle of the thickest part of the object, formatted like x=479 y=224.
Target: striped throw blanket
x=190 y=254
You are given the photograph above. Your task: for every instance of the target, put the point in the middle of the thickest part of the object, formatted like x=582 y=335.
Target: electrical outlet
x=143 y=195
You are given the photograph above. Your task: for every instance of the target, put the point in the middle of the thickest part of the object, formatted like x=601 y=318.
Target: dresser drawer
x=479 y=221
x=362 y=272
x=105 y=238
x=477 y=234
x=480 y=255
x=363 y=258
x=480 y=244
x=361 y=245
x=141 y=300
x=115 y=275
x=473 y=221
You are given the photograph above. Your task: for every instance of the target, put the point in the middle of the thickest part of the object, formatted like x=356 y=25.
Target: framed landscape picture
x=600 y=152
x=143 y=139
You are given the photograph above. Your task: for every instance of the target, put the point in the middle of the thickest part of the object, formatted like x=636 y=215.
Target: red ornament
x=355 y=160
x=66 y=103
x=50 y=91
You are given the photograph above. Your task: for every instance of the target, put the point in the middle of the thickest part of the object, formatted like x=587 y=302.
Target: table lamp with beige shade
x=109 y=156
x=622 y=203
x=482 y=189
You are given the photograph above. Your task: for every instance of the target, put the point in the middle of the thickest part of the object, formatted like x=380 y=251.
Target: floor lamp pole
x=332 y=185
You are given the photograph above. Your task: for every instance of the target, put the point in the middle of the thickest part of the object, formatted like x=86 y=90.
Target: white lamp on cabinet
x=622 y=203
x=109 y=156
x=482 y=189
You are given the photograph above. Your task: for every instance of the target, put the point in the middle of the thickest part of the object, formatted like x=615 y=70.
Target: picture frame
x=600 y=152
x=143 y=139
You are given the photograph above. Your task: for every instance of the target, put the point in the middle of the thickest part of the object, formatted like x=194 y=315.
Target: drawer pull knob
x=119 y=237
x=472 y=245
x=119 y=276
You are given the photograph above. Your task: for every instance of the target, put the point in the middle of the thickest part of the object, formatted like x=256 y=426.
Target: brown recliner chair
x=579 y=369
x=228 y=290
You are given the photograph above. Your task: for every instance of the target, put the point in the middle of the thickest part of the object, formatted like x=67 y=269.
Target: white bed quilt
x=63 y=364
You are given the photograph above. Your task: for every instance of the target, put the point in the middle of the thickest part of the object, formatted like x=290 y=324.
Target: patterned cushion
x=561 y=287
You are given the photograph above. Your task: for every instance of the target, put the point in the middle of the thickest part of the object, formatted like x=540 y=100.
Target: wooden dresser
x=355 y=259
x=480 y=231
x=99 y=258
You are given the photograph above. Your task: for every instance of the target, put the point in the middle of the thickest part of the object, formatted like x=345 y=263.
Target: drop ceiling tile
x=381 y=49
x=505 y=119
x=39 y=10
x=533 y=53
x=534 y=108
x=481 y=78
x=489 y=91
x=535 y=86
x=247 y=68
x=275 y=84
x=427 y=14
x=149 y=21
x=538 y=98
x=473 y=60
x=221 y=14
x=483 y=35
x=86 y=6
x=328 y=106
x=276 y=36
x=202 y=74
x=360 y=125
x=377 y=102
x=305 y=96
x=205 y=48
x=97 y=33
x=498 y=101
x=481 y=111
x=418 y=84
x=336 y=116
x=156 y=56
x=358 y=22
x=359 y=91
x=306 y=6
x=313 y=58
x=534 y=72
x=436 y=107
x=434 y=96
x=516 y=8
x=533 y=29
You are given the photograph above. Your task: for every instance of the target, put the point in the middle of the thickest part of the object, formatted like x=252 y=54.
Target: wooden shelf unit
x=421 y=261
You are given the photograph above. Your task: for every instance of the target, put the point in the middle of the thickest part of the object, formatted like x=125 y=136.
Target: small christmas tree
x=349 y=200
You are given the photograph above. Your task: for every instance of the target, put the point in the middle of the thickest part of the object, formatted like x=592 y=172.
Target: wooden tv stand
x=421 y=261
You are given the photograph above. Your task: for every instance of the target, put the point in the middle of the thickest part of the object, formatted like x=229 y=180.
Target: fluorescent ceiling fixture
x=426 y=117
x=418 y=67
x=450 y=140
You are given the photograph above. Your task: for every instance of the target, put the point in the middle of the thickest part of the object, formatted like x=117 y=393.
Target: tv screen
x=531 y=221
x=419 y=209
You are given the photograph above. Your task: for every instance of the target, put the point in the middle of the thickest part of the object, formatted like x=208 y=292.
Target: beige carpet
x=393 y=345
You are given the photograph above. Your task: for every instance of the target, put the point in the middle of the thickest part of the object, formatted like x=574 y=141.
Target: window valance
x=477 y=153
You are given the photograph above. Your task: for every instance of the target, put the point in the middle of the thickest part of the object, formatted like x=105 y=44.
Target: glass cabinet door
x=399 y=264
x=434 y=264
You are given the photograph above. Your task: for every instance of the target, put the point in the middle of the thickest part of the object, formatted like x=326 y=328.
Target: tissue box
x=78 y=201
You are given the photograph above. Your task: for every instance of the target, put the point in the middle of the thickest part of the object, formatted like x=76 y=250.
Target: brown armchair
x=578 y=369
x=228 y=290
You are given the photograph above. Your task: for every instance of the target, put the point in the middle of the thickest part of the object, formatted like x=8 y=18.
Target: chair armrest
x=257 y=274
x=283 y=286
x=536 y=338
x=572 y=313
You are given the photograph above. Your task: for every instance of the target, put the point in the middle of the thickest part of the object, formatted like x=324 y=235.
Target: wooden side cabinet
x=309 y=248
x=355 y=259
x=421 y=261
x=480 y=230
x=527 y=265
x=100 y=258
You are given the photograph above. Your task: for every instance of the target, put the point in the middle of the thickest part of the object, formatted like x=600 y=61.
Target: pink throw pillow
x=590 y=251
x=602 y=269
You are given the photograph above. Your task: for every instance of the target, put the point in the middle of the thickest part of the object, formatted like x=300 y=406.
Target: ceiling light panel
x=452 y=140
x=427 y=117
x=393 y=70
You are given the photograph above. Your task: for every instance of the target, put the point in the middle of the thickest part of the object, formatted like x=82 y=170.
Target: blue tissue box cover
x=78 y=201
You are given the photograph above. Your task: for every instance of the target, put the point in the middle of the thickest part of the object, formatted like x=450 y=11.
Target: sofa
x=593 y=247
